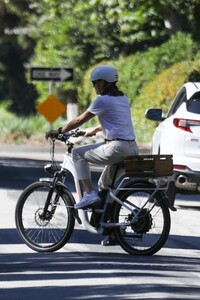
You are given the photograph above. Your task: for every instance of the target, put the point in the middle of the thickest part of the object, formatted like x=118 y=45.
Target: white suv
x=179 y=134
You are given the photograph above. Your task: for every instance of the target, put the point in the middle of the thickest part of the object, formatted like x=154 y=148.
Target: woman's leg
x=84 y=176
x=122 y=149
x=82 y=166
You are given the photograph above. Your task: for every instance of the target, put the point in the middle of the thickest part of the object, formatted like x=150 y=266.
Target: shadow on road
x=94 y=276
x=10 y=236
x=18 y=173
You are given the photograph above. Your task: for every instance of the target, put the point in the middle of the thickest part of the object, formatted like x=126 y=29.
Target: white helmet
x=105 y=72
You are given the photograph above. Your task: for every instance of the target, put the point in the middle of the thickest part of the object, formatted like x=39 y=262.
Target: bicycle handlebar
x=63 y=137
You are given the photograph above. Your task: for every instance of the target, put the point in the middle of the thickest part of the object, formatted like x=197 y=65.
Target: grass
x=19 y=130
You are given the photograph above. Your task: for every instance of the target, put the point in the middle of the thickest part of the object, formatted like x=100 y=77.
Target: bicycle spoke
x=150 y=229
x=44 y=231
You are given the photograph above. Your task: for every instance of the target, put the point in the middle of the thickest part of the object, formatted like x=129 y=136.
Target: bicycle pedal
x=87 y=209
x=98 y=211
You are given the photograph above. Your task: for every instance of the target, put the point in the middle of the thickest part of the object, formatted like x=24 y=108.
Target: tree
x=16 y=48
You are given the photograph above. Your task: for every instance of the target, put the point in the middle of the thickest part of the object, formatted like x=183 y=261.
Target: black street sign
x=52 y=74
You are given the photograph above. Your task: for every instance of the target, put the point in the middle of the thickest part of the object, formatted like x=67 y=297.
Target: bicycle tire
x=44 y=235
x=150 y=232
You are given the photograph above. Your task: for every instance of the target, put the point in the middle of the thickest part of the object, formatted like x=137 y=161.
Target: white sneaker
x=88 y=199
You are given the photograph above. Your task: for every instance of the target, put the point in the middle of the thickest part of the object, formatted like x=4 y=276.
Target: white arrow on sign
x=64 y=74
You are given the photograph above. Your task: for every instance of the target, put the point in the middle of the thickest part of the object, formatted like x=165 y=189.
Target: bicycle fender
x=168 y=203
x=45 y=179
x=161 y=194
x=63 y=187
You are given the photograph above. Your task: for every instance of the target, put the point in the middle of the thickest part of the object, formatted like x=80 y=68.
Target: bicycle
x=136 y=210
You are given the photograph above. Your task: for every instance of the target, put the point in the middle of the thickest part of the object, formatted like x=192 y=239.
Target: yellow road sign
x=51 y=108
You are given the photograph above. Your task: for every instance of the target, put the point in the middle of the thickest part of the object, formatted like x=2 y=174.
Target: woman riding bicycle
x=112 y=108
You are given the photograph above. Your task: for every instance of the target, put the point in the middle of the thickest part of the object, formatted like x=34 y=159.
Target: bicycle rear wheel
x=49 y=233
x=151 y=229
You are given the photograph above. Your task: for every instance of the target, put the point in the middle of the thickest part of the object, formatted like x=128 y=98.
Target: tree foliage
x=86 y=32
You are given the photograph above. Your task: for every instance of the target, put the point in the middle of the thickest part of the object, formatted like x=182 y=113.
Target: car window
x=193 y=105
x=178 y=100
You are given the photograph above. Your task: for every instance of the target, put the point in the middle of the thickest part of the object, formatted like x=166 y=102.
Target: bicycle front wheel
x=149 y=232
x=44 y=233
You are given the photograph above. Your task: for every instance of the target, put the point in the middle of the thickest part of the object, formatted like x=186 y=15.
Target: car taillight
x=185 y=124
x=179 y=167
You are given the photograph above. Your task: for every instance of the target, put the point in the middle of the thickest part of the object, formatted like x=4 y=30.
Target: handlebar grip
x=80 y=133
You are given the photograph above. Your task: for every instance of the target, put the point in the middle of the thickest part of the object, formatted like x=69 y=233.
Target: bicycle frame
x=68 y=164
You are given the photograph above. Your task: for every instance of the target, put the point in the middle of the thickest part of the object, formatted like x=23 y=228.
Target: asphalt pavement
x=83 y=269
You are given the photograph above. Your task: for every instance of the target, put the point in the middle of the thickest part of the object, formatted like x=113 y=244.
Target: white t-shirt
x=114 y=116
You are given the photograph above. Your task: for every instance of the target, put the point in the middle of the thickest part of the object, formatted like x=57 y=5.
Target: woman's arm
x=73 y=124
x=77 y=122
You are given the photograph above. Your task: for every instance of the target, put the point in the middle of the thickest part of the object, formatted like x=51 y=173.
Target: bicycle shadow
x=76 y=275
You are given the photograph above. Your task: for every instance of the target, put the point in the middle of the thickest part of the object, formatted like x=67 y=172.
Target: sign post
x=51 y=75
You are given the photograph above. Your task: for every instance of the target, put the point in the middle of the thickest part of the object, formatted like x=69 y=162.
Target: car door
x=165 y=139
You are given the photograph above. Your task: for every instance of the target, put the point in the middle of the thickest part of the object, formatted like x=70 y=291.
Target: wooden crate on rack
x=148 y=165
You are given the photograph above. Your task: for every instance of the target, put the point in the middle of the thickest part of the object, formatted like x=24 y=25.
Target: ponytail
x=111 y=89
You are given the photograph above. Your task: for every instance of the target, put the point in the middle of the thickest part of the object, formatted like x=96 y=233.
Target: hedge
x=159 y=94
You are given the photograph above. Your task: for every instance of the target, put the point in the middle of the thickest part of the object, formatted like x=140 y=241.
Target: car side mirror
x=154 y=114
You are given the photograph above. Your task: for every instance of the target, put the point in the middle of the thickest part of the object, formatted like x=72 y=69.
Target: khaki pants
x=107 y=154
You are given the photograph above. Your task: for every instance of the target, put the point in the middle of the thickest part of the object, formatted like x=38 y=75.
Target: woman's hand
x=51 y=134
x=93 y=131
x=90 y=132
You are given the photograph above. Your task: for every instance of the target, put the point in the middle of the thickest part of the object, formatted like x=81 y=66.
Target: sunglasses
x=94 y=82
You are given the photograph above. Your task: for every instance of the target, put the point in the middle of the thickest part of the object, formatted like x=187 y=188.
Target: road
x=83 y=269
